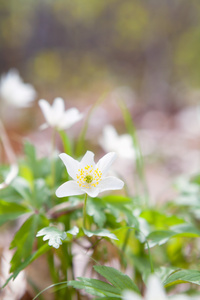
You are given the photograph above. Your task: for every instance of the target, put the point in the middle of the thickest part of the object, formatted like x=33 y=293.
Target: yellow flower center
x=88 y=177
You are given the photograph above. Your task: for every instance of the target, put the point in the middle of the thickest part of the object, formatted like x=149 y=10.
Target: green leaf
x=132 y=221
x=118 y=205
x=53 y=234
x=27 y=262
x=183 y=276
x=118 y=199
x=187 y=230
x=162 y=236
x=39 y=167
x=26 y=172
x=95 y=287
x=117 y=278
x=11 y=211
x=10 y=195
x=142 y=265
x=164 y=272
x=23 y=241
x=22 y=187
x=160 y=220
x=95 y=209
x=41 y=193
x=73 y=231
x=159 y=237
x=36 y=194
x=100 y=232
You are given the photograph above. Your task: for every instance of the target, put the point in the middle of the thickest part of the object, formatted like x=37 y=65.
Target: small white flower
x=88 y=177
x=14 y=91
x=56 y=116
x=121 y=144
x=10 y=176
x=154 y=291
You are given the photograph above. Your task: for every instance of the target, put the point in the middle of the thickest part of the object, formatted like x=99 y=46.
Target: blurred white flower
x=14 y=91
x=88 y=177
x=56 y=116
x=188 y=115
x=121 y=144
x=154 y=291
x=10 y=176
x=11 y=158
x=15 y=288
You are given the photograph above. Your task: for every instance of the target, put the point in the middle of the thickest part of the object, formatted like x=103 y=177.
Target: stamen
x=88 y=177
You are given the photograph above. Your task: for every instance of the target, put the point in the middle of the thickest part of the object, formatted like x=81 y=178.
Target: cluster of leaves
x=142 y=239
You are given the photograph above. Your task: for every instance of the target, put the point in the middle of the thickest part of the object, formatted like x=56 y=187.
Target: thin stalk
x=149 y=252
x=53 y=169
x=150 y=258
x=125 y=241
x=49 y=287
x=85 y=211
x=81 y=139
x=52 y=269
x=53 y=145
x=67 y=145
x=66 y=264
x=35 y=288
x=139 y=158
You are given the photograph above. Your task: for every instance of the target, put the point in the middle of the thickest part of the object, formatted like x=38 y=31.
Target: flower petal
x=71 y=164
x=70 y=117
x=58 y=106
x=46 y=110
x=110 y=183
x=155 y=286
x=11 y=175
x=57 y=112
x=93 y=192
x=105 y=162
x=14 y=91
x=109 y=139
x=88 y=159
x=130 y=295
x=69 y=188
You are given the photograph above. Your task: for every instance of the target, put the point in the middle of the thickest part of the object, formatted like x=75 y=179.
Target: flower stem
x=149 y=252
x=150 y=258
x=127 y=235
x=84 y=211
x=53 y=272
x=53 y=144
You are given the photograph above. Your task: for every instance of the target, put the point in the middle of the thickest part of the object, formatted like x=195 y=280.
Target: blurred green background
x=84 y=47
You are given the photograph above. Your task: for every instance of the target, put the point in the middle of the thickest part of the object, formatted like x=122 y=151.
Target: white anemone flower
x=154 y=291
x=14 y=91
x=10 y=176
x=88 y=177
x=56 y=116
x=121 y=144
